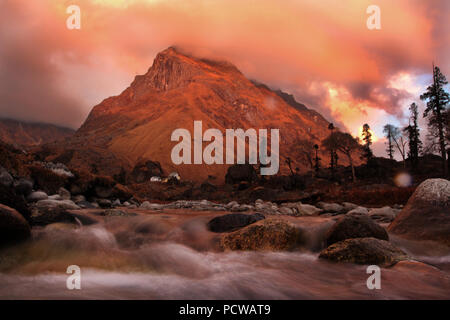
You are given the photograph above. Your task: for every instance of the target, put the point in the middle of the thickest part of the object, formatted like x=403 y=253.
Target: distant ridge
x=25 y=134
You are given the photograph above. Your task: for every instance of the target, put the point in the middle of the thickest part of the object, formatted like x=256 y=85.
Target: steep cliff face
x=176 y=91
x=24 y=134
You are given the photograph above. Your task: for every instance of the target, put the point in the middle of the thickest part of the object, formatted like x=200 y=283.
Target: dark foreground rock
x=268 y=234
x=23 y=186
x=426 y=216
x=233 y=221
x=13 y=226
x=9 y=198
x=364 y=251
x=355 y=226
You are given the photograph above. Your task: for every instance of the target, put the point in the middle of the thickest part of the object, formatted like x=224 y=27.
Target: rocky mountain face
x=23 y=134
x=177 y=90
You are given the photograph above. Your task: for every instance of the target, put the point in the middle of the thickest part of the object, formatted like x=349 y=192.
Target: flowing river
x=171 y=255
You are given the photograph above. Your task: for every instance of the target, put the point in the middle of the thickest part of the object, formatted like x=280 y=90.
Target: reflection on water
x=174 y=257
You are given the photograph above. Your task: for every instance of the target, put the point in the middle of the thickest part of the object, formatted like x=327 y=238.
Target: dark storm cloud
x=30 y=80
x=388 y=99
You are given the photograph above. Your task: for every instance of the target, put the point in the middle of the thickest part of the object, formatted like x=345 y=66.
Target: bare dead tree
x=346 y=144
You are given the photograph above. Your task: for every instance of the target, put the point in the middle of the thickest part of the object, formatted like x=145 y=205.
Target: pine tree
x=437 y=100
x=413 y=132
x=367 y=138
x=389 y=131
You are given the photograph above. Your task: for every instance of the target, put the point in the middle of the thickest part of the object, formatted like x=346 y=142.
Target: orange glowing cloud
x=321 y=51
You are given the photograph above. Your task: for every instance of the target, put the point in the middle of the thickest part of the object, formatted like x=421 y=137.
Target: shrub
x=47 y=180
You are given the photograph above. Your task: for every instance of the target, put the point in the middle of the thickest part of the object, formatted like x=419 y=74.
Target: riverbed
x=171 y=255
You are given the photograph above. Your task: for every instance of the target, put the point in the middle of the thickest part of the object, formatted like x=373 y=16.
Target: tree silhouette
x=367 y=138
x=345 y=143
x=400 y=143
x=389 y=132
x=437 y=100
x=413 y=133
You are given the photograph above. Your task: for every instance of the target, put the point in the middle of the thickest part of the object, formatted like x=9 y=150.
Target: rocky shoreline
x=267 y=218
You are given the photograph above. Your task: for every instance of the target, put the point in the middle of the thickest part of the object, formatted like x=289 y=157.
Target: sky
x=320 y=51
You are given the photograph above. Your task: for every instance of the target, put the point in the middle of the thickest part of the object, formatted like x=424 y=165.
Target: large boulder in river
x=240 y=172
x=233 y=221
x=364 y=251
x=267 y=234
x=426 y=216
x=13 y=226
x=355 y=226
